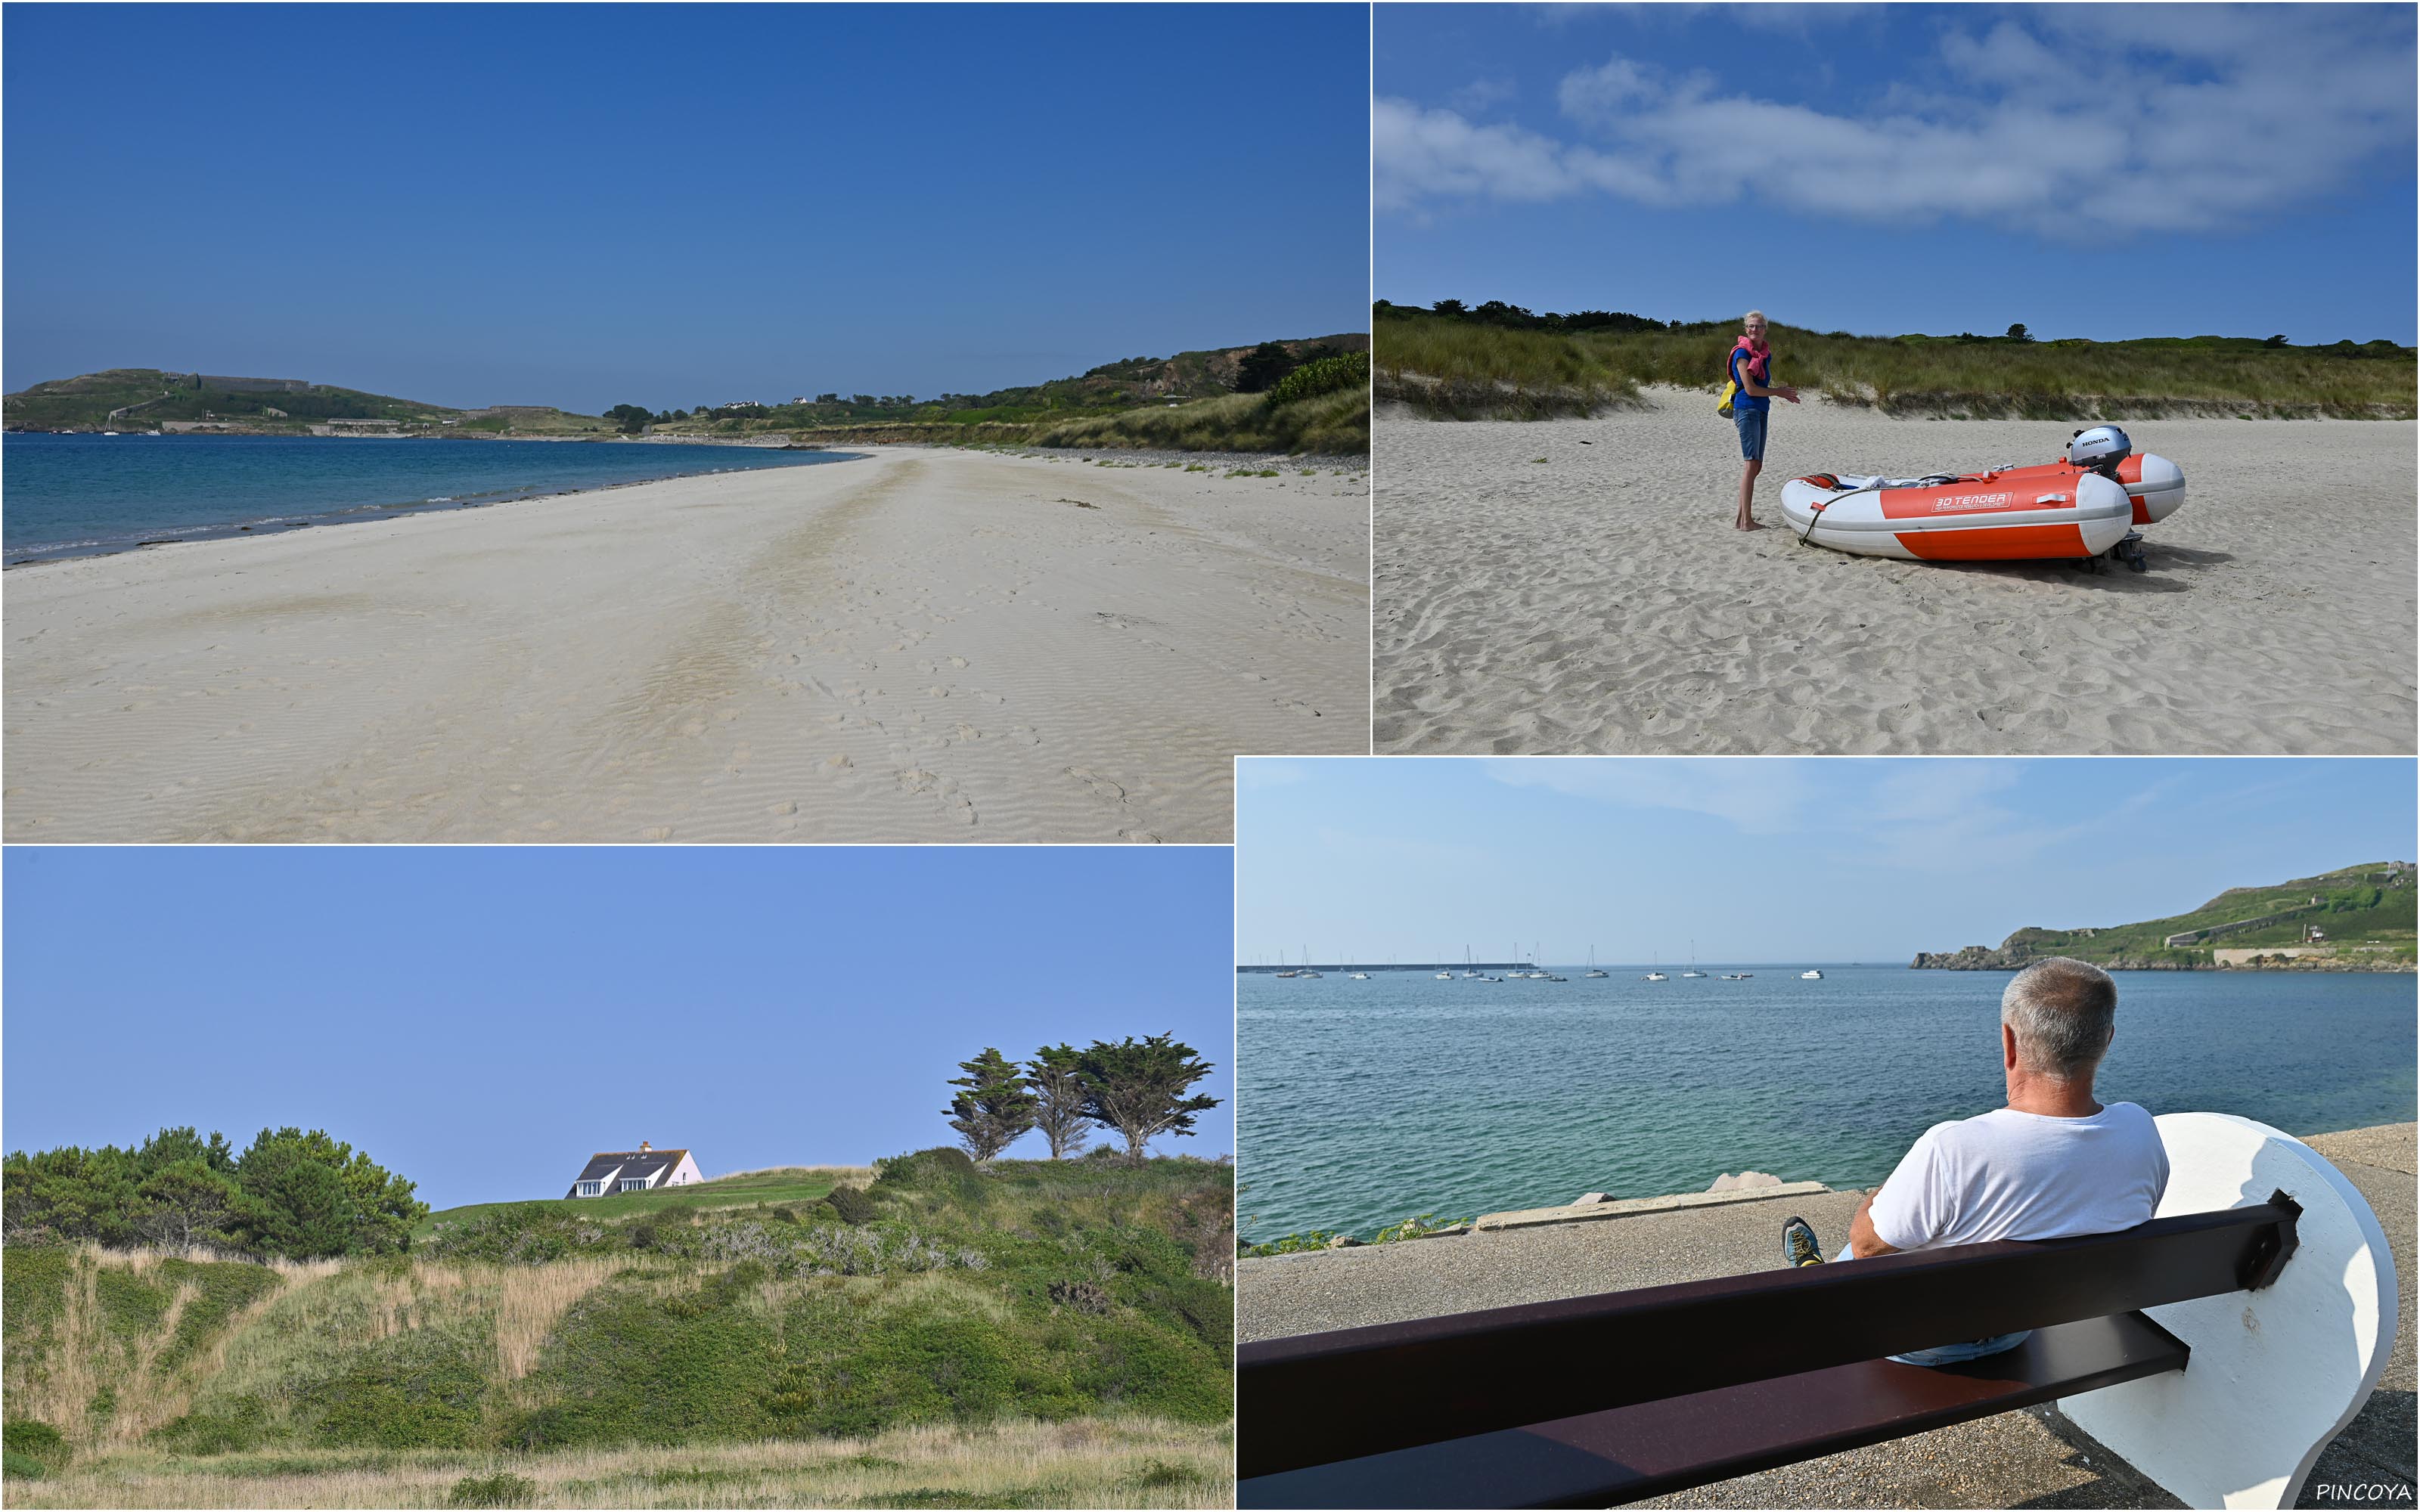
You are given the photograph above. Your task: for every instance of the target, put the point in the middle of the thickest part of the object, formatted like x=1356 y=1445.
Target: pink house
x=642 y=1169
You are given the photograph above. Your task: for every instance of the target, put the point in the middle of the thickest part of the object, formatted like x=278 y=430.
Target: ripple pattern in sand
x=1597 y=600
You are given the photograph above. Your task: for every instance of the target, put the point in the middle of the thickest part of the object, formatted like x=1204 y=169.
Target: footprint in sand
x=656 y=832
x=838 y=762
x=786 y=806
x=1100 y=787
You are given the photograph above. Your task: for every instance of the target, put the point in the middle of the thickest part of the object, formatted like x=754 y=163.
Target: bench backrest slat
x=1315 y=1398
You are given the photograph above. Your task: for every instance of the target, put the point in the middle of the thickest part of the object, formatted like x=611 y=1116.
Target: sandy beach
x=1536 y=594
x=923 y=645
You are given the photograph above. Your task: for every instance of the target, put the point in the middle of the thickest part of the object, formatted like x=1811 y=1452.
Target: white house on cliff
x=634 y=1170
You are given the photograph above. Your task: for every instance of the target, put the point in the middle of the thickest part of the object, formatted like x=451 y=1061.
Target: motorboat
x=1811 y=976
x=1737 y=975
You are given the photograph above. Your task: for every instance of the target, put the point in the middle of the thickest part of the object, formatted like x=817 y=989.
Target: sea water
x=74 y=495
x=1362 y=1103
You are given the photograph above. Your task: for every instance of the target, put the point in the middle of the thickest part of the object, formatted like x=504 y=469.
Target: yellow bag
x=1730 y=392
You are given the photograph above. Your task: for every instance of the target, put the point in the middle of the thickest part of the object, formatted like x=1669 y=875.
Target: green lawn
x=805 y=1183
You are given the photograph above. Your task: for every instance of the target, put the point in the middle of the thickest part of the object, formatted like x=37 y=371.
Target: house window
x=634 y=1183
x=590 y=1189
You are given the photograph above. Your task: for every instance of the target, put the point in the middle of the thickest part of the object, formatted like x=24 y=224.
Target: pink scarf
x=1760 y=357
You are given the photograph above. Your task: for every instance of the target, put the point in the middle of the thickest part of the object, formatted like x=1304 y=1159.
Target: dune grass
x=1463 y=369
x=1102 y=1461
x=1331 y=424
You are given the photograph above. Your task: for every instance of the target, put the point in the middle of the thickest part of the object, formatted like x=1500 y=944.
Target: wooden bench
x=1594 y=1401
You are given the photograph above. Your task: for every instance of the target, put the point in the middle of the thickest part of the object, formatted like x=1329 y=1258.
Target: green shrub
x=853 y=1206
x=631 y=1369
x=418 y=1390
x=503 y=1488
x=1158 y=1474
x=25 y=1438
x=241 y=1423
x=1325 y=376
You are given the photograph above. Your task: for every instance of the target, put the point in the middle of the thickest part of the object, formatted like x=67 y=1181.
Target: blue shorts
x=1751 y=429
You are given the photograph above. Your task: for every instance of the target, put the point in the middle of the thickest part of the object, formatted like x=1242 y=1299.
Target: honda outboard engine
x=2099 y=449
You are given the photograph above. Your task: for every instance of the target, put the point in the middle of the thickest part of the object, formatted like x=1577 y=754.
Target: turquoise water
x=75 y=495
x=1363 y=1103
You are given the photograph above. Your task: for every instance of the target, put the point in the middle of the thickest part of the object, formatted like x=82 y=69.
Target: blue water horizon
x=1362 y=1103
x=84 y=495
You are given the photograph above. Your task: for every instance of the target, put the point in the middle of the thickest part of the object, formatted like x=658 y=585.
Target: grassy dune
x=1463 y=369
x=1329 y=425
x=1332 y=423
x=1053 y=1329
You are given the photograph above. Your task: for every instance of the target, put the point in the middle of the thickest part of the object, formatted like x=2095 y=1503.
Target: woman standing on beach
x=1751 y=362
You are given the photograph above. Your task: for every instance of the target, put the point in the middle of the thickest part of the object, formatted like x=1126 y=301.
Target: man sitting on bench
x=2053 y=1162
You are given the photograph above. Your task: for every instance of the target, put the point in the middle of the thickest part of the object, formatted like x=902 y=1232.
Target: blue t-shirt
x=1742 y=359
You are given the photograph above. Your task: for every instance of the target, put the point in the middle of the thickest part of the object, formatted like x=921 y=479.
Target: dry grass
x=1098 y=1463
x=55 y=1388
x=530 y=1300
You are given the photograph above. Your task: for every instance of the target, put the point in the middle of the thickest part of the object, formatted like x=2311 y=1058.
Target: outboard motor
x=2100 y=450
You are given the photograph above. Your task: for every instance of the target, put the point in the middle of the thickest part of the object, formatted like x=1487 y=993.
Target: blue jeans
x=1751 y=431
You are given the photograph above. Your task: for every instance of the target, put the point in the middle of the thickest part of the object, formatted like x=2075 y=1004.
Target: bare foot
x=1748 y=525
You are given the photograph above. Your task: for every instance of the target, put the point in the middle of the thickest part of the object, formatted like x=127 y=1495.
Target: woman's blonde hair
x=1754 y=315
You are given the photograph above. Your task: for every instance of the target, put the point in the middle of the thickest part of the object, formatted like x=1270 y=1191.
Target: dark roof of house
x=632 y=1163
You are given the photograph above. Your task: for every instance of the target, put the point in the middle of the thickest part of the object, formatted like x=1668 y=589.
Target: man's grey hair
x=2064 y=1012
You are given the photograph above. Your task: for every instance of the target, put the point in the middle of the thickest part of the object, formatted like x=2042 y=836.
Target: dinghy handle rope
x=1815 y=512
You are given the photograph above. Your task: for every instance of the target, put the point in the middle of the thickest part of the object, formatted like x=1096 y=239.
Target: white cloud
x=2085 y=122
x=1423 y=154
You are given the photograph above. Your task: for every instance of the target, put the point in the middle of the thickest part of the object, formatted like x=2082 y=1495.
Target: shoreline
x=274 y=525
x=1598 y=1207
x=929 y=645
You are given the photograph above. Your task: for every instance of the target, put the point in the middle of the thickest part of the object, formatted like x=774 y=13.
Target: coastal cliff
x=1983 y=958
x=2357 y=919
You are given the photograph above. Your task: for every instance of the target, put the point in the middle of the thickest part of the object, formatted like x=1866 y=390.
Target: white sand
x=924 y=645
x=1600 y=601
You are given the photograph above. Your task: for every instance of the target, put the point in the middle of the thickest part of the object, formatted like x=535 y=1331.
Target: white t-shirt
x=2010 y=1175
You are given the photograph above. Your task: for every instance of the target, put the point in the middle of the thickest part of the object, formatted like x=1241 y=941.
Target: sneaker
x=1799 y=1245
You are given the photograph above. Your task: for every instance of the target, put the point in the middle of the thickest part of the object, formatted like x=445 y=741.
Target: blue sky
x=481 y=1018
x=1773 y=859
x=585 y=205
x=2101 y=171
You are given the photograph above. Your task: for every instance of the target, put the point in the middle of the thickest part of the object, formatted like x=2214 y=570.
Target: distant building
x=642 y=1169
